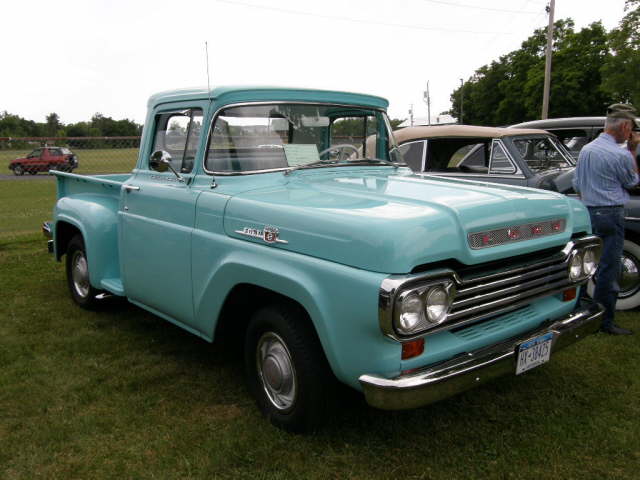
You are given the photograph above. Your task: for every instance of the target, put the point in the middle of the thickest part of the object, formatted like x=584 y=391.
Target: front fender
x=96 y=218
x=341 y=301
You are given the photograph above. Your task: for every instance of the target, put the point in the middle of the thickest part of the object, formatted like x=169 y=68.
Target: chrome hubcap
x=276 y=371
x=80 y=274
x=629 y=276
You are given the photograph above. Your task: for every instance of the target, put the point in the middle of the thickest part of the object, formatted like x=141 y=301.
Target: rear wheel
x=77 y=268
x=18 y=170
x=287 y=371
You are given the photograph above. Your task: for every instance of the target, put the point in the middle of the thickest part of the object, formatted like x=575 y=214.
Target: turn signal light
x=569 y=294
x=412 y=349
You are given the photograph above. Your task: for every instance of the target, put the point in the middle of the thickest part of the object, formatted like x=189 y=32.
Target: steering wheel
x=340 y=150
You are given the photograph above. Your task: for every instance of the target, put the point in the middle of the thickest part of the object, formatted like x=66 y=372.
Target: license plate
x=534 y=352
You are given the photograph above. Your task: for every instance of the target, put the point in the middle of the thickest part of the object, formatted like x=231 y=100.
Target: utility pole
x=411 y=115
x=461 y=101
x=547 y=64
x=427 y=100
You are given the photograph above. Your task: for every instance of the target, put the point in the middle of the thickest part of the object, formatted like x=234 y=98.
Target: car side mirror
x=160 y=161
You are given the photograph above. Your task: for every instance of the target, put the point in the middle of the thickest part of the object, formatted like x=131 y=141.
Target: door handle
x=131 y=188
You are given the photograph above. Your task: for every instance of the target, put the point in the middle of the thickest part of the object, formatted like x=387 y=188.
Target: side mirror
x=160 y=161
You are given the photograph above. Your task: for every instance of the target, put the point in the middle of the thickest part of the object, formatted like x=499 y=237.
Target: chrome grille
x=484 y=291
x=482 y=296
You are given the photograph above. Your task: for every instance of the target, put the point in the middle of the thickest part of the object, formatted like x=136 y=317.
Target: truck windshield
x=281 y=136
x=543 y=153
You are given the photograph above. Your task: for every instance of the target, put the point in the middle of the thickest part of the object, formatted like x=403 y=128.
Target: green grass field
x=122 y=394
x=25 y=202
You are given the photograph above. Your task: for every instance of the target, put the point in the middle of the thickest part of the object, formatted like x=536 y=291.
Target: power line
x=357 y=20
x=489 y=9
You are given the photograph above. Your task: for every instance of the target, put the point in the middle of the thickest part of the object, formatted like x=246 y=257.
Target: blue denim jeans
x=608 y=224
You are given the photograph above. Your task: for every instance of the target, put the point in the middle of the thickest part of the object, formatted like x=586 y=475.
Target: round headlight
x=575 y=267
x=437 y=304
x=589 y=263
x=411 y=312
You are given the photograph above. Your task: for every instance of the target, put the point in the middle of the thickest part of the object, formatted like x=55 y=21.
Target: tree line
x=591 y=69
x=99 y=126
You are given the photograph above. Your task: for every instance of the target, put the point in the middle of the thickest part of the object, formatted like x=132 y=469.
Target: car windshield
x=543 y=153
x=287 y=135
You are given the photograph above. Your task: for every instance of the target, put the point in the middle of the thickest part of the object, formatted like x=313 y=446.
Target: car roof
x=225 y=95
x=566 y=122
x=462 y=131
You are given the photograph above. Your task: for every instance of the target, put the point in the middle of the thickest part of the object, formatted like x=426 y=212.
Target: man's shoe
x=616 y=330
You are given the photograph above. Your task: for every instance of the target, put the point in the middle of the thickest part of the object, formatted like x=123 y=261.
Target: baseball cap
x=626 y=111
x=621 y=107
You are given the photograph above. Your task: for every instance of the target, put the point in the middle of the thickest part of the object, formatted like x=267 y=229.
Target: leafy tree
x=509 y=90
x=620 y=70
x=53 y=125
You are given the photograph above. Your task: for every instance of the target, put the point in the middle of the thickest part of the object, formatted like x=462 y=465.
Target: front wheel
x=629 y=280
x=287 y=372
x=77 y=268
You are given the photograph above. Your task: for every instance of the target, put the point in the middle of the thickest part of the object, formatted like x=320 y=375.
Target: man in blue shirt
x=603 y=173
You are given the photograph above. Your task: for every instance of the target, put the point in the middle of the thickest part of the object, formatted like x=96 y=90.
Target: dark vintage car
x=515 y=156
x=45 y=159
x=575 y=132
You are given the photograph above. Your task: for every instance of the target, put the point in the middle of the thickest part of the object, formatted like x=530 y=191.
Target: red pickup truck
x=45 y=159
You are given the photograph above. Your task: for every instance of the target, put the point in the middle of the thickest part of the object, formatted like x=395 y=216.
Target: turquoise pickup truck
x=263 y=214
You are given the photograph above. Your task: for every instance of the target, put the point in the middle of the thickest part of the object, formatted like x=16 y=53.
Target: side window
x=412 y=153
x=574 y=140
x=500 y=163
x=457 y=156
x=178 y=133
x=54 y=152
x=35 y=154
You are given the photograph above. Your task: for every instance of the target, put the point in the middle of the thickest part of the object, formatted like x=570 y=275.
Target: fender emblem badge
x=267 y=234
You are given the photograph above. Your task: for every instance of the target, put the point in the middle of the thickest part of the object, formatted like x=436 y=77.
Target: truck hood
x=392 y=221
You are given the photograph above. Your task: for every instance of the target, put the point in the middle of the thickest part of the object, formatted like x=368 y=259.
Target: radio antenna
x=206 y=49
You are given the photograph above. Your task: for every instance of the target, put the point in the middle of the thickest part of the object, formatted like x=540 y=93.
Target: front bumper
x=430 y=384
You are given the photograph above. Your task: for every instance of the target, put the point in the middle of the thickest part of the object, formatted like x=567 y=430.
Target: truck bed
x=72 y=183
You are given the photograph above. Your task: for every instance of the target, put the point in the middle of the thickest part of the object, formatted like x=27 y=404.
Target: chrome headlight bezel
x=419 y=308
x=582 y=263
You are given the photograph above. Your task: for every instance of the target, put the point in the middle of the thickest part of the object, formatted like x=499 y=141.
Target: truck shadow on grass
x=560 y=393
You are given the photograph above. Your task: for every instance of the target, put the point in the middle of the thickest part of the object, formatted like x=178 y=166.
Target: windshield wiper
x=322 y=163
x=378 y=161
x=317 y=163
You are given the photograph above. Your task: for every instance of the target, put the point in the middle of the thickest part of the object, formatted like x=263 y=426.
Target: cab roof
x=225 y=95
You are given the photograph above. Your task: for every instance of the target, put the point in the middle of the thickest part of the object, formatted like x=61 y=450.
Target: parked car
x=574 y=132
x=248 y=217
x=529 y=158
x=516 y=156
x=45 y=159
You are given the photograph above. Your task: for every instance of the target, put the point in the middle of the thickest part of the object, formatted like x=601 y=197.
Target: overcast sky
x=79 y=57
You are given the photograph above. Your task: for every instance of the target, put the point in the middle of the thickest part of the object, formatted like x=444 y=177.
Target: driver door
x=157 y=214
